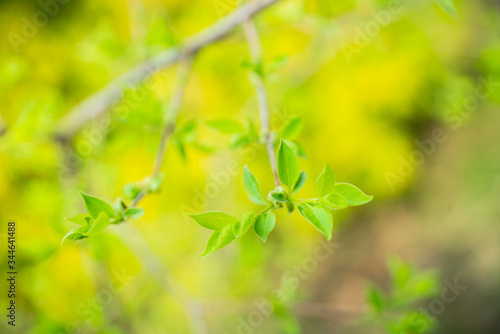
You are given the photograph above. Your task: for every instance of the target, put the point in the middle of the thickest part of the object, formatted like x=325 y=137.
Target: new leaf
x=265 y=224
x=81 y=219
x=134 y=213
x=252 y=187
x=325 y=183
x=214 y=220
x=219 y=239
x=352 y=194
x=288 y=165
x=319 y=216
x=300 y=182
x=101 y=222
x=95 y=206
x=75 y=234
x=242 y=227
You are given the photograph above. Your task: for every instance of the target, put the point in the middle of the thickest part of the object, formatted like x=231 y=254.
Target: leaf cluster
x=331 y=196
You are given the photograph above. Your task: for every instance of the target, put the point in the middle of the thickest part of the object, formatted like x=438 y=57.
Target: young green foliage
x=100 y=215
x=225 y=228
x=300 y=182
x=252 y=187
x=319 y=216
x=264 y=224
x=325 y=182
x=95 y=206
x=332 y=196
x=395 y=311
x=288 y=165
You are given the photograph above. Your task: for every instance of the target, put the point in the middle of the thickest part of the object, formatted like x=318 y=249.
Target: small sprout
x=131 y=190
x=279 y=194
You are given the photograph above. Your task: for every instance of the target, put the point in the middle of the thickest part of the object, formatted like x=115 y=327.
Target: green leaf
x=153 y=183
x=265 y=224
x=325 y=183
x=288 y=165
x=131 y=190
x=376 y=298
x=81 y=219
x=300 y=182
x=219 y=239
x=242 y=227
x=292 y=129
x=319 y=216
x=186 y=130
x=101 y=222
x=290 y=206
x=95 y=206
x=226 y=125
x=214 y=220
x=75 y=234
x=133 y=213
x=257 y=68
x=352 y=194
x=278 y=196
x=335 y=202
x=252 y=187
x=297 y=148
x=448 y=6
x=239 y=140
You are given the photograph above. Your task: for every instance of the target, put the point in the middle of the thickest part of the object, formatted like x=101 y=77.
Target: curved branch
x=260 y=88
x=97 y=104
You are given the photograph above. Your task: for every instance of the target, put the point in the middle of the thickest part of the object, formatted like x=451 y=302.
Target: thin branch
x=260 y=88
x=170 y=117
x=100 y=102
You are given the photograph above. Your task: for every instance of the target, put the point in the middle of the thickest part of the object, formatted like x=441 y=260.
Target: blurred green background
x=407 y=111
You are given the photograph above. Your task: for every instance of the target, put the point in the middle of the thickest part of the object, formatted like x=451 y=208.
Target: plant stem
x=260 y=88
x=98 y=103
x=170 y=117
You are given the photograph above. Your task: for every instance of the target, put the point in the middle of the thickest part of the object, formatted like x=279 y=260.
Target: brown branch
x=100 y=102
x=260 y=88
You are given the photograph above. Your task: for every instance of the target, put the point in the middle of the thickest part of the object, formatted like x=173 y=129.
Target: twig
x=98 y=103
x=260 y=88
x=170 y=117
